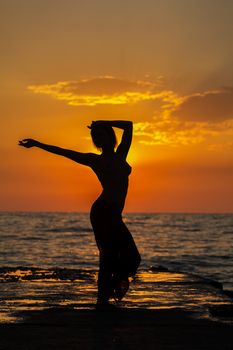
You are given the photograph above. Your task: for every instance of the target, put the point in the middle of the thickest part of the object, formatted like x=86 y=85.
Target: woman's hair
x=109 y=131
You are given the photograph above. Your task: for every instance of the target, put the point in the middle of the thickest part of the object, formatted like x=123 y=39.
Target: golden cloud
x=171 y=132
x=105 y=91
x=174 y=132
x=199 y=118
x=178 y=120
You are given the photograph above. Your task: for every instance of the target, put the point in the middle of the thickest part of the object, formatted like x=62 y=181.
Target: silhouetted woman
x=119 y=257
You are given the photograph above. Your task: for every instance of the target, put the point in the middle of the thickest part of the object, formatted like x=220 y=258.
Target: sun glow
x=104 y=65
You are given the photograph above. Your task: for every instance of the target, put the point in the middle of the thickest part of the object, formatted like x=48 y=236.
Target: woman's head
x=103 y=136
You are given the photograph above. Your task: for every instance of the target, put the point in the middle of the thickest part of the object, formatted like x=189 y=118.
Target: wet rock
x=222 y=311
x=228 y=293
x=213 y=283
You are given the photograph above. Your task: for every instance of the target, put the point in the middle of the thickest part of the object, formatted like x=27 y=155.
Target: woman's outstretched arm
x=82 y=158
x=127 y=127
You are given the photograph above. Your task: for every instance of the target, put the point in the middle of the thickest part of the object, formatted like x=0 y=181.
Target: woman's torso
x=112 y=172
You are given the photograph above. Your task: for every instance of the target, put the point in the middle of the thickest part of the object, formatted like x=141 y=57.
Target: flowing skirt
x=119 y=256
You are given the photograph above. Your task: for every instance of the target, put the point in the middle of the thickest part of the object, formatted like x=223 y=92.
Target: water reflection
x=38 y=289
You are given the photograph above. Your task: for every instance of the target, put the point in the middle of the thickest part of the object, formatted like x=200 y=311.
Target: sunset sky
x=167 y=65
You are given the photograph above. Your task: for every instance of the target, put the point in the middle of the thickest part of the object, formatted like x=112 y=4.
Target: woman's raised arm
x=79 y=157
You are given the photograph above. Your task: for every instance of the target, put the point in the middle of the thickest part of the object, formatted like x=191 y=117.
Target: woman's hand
x=28 y=143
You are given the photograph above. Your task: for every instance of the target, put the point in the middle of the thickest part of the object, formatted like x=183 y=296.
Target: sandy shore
x=117 y=329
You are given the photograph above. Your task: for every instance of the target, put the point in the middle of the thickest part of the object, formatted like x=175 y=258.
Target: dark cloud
x=211 y=106
x=104 y=85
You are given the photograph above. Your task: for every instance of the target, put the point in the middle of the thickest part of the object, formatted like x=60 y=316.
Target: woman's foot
x=120 y=289
x=104 y=305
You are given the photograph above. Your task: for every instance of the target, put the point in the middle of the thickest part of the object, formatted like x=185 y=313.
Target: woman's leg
x=105 y=275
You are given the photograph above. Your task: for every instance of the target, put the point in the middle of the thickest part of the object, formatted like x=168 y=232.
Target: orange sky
x=165 y=65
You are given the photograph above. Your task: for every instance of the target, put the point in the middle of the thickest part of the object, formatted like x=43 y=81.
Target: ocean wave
x=66 y=229
x=191 y=229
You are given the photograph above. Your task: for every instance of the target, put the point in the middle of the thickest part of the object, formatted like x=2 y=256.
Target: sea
x=51 y=258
